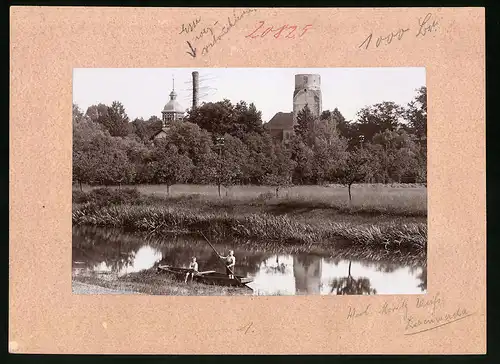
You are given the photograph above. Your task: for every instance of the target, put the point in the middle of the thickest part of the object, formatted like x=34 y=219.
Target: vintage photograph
x=249 y=181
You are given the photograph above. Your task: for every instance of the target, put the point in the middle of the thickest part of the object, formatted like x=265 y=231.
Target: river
x=104 y=251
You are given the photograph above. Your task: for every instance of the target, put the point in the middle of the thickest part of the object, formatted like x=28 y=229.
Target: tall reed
x=264 y=227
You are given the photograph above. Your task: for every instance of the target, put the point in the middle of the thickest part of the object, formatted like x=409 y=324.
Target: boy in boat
x=193 y=269
x=230 y=263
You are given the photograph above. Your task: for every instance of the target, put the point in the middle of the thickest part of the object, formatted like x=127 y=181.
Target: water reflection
x=112 y=253
x=307 y=273
x=350 y=285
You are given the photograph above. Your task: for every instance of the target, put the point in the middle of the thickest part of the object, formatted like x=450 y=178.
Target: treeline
x=225 y=144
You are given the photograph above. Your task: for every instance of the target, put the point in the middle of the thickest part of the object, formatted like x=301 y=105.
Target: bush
x=80 y=197
x=265 y=196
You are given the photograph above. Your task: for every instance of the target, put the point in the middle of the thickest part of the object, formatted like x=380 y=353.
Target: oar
x=235 y=277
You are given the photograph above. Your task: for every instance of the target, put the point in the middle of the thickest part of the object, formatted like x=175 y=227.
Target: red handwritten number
x=306 y=28
x=293 y=30
x=266 y=32
x=280 y=30
x=251 y=34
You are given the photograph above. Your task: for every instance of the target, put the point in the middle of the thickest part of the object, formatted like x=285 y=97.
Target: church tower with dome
x=173 y=111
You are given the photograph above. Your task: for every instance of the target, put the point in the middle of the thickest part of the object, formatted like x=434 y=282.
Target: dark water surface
x=113 y=253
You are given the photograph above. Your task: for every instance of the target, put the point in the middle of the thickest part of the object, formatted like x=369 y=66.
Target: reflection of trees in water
x=279 y=268
x=378 y=265
x=307 y=273
x=352 y=286
x=423 y=280
x=117 y=249
x=306 y=260
x=387 y=267
x=250 y=263
x=372 y=257
x=114 y=252
x=336 y=260
x=422 y=276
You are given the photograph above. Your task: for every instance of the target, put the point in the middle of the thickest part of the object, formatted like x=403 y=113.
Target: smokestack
x=195 y=89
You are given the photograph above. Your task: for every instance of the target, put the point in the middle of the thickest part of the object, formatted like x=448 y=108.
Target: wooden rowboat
x=206 y=277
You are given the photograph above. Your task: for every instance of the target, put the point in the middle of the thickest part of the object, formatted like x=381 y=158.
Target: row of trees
x=225 y=144
x=387 y=143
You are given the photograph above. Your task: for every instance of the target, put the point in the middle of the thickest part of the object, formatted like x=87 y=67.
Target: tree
x=355 y=168
x=248 y=120
x=113 y=118
x=145 y=129
x=323 y=162
x=193 y=142
x=97 y=113
x=232 y=162
x=98 y=157
x=302 y=156
x=305 y=125
x=78 y=115
x=329 y=149
x=169 y=166
x=140 y=129
x=223 y=117
x=260 y=157
x=416 y=113
x=208 y=169
x=281 y=169
x=396 y=154
x=115 y=167
x=375 y=119
x=117 y=122
x=214 y=117
x=343 y=126
x=138 y=155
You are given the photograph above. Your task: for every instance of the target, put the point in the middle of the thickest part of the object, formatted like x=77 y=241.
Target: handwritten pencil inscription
x=419 y=317
x=192 y=51
x=417 y=326
x=245 y=329
x=190 y=27
x=425 y=25
x=203 y=37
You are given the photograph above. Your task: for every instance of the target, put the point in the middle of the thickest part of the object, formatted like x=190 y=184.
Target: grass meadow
x=397 y=199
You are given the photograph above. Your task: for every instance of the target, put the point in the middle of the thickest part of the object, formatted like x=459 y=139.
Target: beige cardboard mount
x=48 y=42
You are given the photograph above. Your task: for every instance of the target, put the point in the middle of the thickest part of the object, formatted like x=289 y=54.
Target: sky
x=145 y=91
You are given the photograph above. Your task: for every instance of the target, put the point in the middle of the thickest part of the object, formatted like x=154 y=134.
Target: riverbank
x=86 y=288
x=269 y=220
x=149 y=282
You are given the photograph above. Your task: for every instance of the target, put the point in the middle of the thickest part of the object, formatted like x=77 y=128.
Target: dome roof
x=173 y=105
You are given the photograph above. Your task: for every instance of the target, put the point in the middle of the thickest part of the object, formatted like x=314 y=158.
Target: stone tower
x=307 y=92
